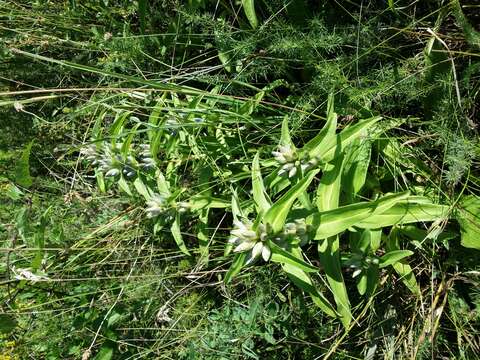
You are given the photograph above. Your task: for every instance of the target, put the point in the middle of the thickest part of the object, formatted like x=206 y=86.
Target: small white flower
x=26 y=274
x=356 y=273
x=244 y=246
x=266 y=253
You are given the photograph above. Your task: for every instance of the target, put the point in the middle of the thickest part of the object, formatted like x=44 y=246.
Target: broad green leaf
x=393 y=257
x=278 y=213
x=362 y=283
x=303 y=281
x=369 y=240
x=347 y=136
x=356 y=166
x=123 y=185
x=177 y=235
x=249 y=9
x=329 y=255
x=326 y=138
x=237 y=265
x=162 y=184
x=142 y=189
x=468 y=216
x=333 y=222
x=259 y=195
x=236 y=208
x=22 y=168
x=404 y=213
x=205 y=201
x=328 y=195
x=328 y=191
x=100 y=181
x=282 y=256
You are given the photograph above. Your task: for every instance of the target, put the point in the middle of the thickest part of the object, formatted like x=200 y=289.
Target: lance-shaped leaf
x=326 y=138
x=333 y=222
x=285 y=138
x=238 y=263
x=328 y=195
x=402 y=267
x=282 y=256
x=349 y=135
x=356 y=166
x=393 y=257
x=468 y=216
x=404 y=213
x=303 y=281
x=262 y=202
x=177 y=235
x=277 y=214
x=249 y=8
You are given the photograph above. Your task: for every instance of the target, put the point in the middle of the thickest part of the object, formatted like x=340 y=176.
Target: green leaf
x=198 y=202
x=282 y=256
x=259 y=195
x=123 y=185
x=142 y=189
x=356 y=167
x=105 y=353
x=369 y=240
x=328 y=195
x=393 y=257
x=177 y=235
x=402 y=267
x=278 y=213
x=303 y=281
x=285 y=138
x=348 y=136
x=237 y=265
x=22 y=168
x=249 y=9
x=13 y=192
x=372 y=274
x=333 y=222
x=326 y=138
x=328 y=191
x=117 y=126
x=468 y=216
x=404 y=213
x=250 y=105
x=329 y=255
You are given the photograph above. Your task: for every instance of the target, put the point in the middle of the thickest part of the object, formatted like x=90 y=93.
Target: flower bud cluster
x=159 y=205
x=360 y=262
x=110 y=161
x=290 y=161
x=247 y=239
x=256 y=241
